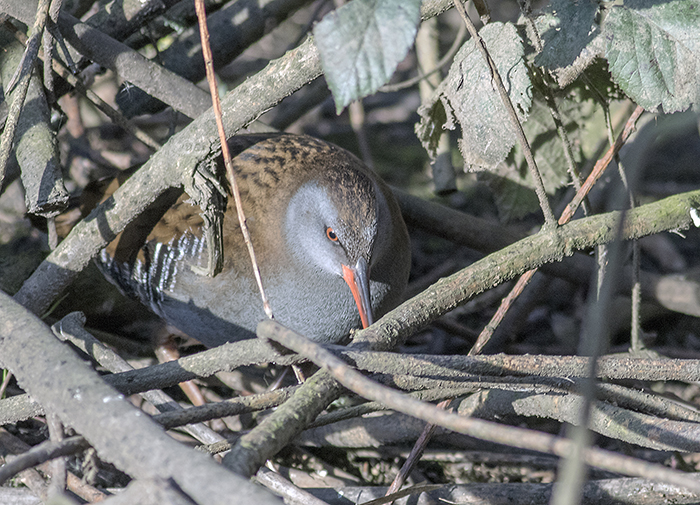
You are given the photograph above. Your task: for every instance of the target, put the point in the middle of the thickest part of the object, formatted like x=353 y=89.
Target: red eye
x=331 y=235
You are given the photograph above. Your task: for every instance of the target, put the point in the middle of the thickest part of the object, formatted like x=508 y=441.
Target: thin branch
x=627 y=490
x=283 y=487
x=58 y=464
x=601 y=165
x=456 y=44
x=483 y=430
x=635 y=332
x=184 y=151
x=100 y=104
x=549 y=218
x=22 y=75
x=213 y=89
x=119 y=432
x=41 y=453
x=525 y=279
x=71 y=328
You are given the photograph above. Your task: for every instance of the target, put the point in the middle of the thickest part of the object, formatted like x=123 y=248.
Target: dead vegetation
x=87 y=411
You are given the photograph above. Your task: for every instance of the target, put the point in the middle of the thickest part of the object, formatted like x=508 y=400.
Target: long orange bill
x=357 y=278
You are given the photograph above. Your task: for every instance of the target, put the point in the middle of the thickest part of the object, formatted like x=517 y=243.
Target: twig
x=58 y=464
x=475 y=367
x=427 y=53
x=32 y=478
x=47 y=41
x=410 y=491
x=181 y=94
x=233 y=407
x=283 y=487
x=415 y=454
x=525 y=279
x=635 y=332
x=71 y=328
x=483 y=430
x=356 y=111
x=601 y=165
x=456 y=44
x=213 y=89
x=100 y=104
x=572 y=470
x=626 y=490
x=22 y=75
x=41 y=453
x=549 y=218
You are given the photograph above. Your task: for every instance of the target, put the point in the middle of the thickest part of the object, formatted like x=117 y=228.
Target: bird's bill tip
x=357 y=278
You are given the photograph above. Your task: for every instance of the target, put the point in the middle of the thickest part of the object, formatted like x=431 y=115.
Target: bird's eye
x=331 y=235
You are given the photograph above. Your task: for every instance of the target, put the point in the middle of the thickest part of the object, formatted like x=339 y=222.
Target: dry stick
x=415 y=454
x=100 y=104
x=572 y=469
x=636 y=344
x=601 y=251
x=427 y=52
x=356 y=111
x=283 y=487
x=410 y=491
x=549 y=219
x=23 y=74
x=566 y=216
x=601 y=165
x=233 y=407
x=71 y=328
x=415 y=388
x=32 y=478
x=29 y=57
x=456 y=44
x=503 y=308
x=58 y=466
x=420 y=389
x=483 y=430
x=41 y=453
x=628 y=491
x=47 y=42
x=479 y=370
x=458 y=367
x=216 y=103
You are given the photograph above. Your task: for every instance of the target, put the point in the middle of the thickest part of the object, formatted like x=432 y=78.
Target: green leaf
x=567 y=27
x=469 y=91
x=362 y=43
x=653 y=51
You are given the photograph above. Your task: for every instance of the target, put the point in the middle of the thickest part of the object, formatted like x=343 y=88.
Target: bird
x=331 y=245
